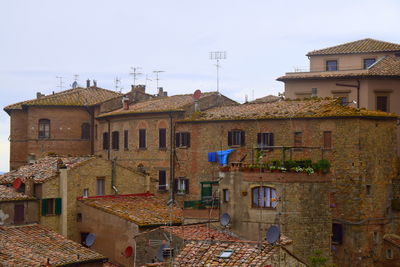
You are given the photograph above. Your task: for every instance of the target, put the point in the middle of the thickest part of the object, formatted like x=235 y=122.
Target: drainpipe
x=109 y=140
x=113 y=175
x=171 y=158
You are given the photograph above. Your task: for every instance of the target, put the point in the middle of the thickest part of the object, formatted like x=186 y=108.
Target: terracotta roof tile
x=43 y=170
x=309 y=108
x=203 y=253
x=32 y=245
x=72 y=97
x=142 y=209
x=10 y=194
x=199 y=232
x=385 y=67
x=266 y=99
x=158 y=104
x=392 y=238
x=367 y=45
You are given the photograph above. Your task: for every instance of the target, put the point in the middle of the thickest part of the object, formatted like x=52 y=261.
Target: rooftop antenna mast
x=61 y=86
x=135 y=74
x=147 y=79
x=117 y=82
x=218 y=55
x=157 y=72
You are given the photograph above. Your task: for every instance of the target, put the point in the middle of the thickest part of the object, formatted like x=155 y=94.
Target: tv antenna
x=135 y=74
x=157 y=72
x=117 y=82
x=147 y=79
x=60 y=82
x=218 y=55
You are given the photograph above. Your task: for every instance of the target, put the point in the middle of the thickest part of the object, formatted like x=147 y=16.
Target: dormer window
x=368 y=62
x=331 y=65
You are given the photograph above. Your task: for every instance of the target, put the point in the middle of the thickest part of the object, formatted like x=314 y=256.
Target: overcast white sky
x=100 y=40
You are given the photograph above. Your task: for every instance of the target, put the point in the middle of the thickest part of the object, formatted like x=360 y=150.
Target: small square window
x=389 y=254
x=100 y=188
x=85 y=192
x=382 y=103
x=226 y=254
x=331 y=65
x=368 y=62
x=225 y=193
x=182 y=139
x=162 y=180
x=236 y=138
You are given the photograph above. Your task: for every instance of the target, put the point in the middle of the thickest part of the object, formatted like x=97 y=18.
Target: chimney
x=160 y=91
x=94 y=83
x=139 y=88
x=87 y=83
x=39 y=95
x=165 y=93
x=29 y=186
x=125 y=102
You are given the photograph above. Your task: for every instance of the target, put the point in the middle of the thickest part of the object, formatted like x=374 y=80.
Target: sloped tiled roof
x=43 y=170
x=204 y=253
x=386 y=67
x=158 y=104
x=309 y=108
x=393 y=239
x=72 y=97
x=199 y=232
x=142 y=209
x=367 y=45
x=10 y=194
x=33 y=245
x=266 y=99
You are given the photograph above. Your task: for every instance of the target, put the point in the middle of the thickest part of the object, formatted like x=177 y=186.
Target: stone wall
x=31 y=211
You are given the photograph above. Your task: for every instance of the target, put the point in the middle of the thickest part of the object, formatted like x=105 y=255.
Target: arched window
x=263 y=197
x=44 y=128
x=85 y=129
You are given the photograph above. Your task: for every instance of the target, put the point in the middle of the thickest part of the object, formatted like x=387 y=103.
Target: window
x=142 y=138
x=162 y=180
x=51 y=206
x=331 y=65
x=236 y=138
x=79 y=217
x=327 y=139
x=162 y=138
x=181 y=185
x=263 y=197
x=368 y=62
x=19 y=212
x=85 y=130
x=126 y=140
x=314 y=92
x=389 y=254
x=226 y=254
x=106 y=142
x=100 y=187
x=85 y=192
x=298 y=139
x=382 y=103
x=182 y=139
x=368 y=189
x=44 y=128
x=337 y=233
x=115 y=140
x=375 y=237
x=225 y=195
x=265 y=139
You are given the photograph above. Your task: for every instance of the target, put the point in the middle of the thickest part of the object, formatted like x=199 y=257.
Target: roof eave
x=138 y=113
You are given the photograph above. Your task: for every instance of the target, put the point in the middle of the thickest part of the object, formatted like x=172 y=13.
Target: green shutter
x=58 y=206
x=44 y=207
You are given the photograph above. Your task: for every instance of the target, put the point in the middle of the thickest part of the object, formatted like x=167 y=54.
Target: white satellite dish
x=273 y=234
x=225 y=219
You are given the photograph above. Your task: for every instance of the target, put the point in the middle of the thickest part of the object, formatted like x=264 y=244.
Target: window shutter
x=188 y=139
x=58 y=206
x=177 y=143
x=175 y=185
x=242 y=138
x=229 y=138
x=187 y=186
x=259 y=136
x=271 y=139
x=44 y=207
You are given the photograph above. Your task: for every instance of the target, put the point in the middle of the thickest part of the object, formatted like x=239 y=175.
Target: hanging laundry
x=223 y=156
x=212 y=156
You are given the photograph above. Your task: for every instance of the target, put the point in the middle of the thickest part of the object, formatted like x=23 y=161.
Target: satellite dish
x=17 y=183
x=128 y=252
x=90 y=238
x=225 y=219
x=273 y=234
x=74 y=84
x=197 y=94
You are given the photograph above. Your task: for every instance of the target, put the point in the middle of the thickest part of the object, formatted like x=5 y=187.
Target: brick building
x=358 y=143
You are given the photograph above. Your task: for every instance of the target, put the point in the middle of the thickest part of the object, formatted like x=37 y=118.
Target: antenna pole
x=135 y=74
x=60 y=82
x=218 y=56
x=157 y=72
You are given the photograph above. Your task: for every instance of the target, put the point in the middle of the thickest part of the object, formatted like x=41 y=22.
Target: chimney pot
x=160 y=91
x=125 y=102
x=87 y=83
x=39 y=95
x=94 y=83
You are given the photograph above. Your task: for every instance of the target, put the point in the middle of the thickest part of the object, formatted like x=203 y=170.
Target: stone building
x=117 y=220
x=358 y=143
x=363 y=74
x=57 y=182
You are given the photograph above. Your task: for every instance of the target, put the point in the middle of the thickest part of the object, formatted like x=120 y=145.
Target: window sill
x=183 y=147
x=162 y=190
x=264 y=208
x=50 y=215
x=142 y=148
x=162 y=148
x=180 y=193
x=126 y=149
x=235 y=146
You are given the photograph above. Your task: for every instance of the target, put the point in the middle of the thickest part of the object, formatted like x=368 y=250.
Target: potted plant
x=324 y=165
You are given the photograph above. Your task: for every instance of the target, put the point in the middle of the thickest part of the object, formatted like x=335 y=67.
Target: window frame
x=106 y=141
x=85 y=131
x=225 y=195
x=44 y=133
x=142 y=138
x=387 y=102
x=162 y=187
x=364 y=62
x=115 y=140
x=298 y=140
x=126 y=140
x=265 y=139
x=162 y=138
x=100 y=184
x=182 y=139
x=179 y=183
x=51 y=206
x=259 y=205
x=236 y=138
x=327 y=66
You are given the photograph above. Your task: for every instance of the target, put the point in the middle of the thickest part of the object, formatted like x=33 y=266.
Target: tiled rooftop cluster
x=159 y=104
x=44 y=169
x=10 y=194
x=367 y=45
x=203 y=253
x=199 y=232
x=33 y=245
x=309 y=108
x=142 y=209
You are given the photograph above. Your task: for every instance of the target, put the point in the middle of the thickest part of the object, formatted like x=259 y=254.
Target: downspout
x=109 y=140
x=92 y=132
x=358 y=93
x=113 y=175
x=171 y=158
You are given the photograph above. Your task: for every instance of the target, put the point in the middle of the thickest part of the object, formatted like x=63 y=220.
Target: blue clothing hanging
x=212 y=156
x=223 y=156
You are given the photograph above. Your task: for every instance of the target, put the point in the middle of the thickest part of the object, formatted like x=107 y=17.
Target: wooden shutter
x=259 y=139
x=58 y=206
x=19 y=211
x=177 y=140
x=126 y=140
x=162 y=138
x=271 y=139
x=327 y=140
x=105 y=141
x=242 y=138
x=230 y=134
x=187 y=186
x=44 y=207
x=142 y=138
x=188 y=139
